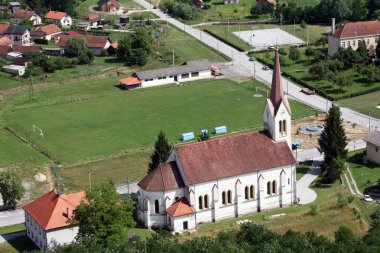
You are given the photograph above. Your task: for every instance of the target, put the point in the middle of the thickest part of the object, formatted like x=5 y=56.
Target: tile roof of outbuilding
x=180 y=207
x=231 y=156
x=92 y=41
x=56 y=15
x=50 y=210
x=27 y=49
x=50 y=29
x=164 y=178
x=23 y=14
x=373 y=138
x=358 y=29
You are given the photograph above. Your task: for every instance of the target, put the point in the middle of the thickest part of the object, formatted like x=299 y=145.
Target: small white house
x=48 y=219
x=373 y=146
x=14 y=69
x=20 y=15
x=59 y=18
x=192 y=70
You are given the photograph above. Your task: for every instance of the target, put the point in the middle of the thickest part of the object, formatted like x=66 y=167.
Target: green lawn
x=365 y=104
x=12 y=229
x=366 y=175
x=14 y=151
x=20 y=244
x=226 y=32
x=83 y=6
x=299 y=70
x=9 y=81
x=92 y=119
x=185 y=47
x=302 y=169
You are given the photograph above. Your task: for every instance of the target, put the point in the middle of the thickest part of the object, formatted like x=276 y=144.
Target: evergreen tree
x=362 y=50
x=161 y=152
x=333 y=142
x=378 y=51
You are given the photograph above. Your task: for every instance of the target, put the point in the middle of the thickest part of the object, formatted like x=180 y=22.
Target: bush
x=313 y=210
x=3 y=62
x=85 y=57
x=350 y=199
x=41 y=41
x=342 y=201
x=207 y=6
x=282 y=51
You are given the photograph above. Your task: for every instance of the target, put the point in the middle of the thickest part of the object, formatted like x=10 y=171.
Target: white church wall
x=178 y=223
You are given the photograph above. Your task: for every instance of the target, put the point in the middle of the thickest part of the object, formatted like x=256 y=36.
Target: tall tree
x=104 y=217
x=11 y=188
x=294 y=54
x=362 y=50
x=76 y=45
x=161 y=152
x=359 y=10
x=332 y=142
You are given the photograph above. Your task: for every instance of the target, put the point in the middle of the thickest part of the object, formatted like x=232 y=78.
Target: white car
x=367 y=198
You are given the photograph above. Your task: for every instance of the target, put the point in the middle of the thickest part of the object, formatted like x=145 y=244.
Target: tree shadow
x=113 y=60
x=22 y=244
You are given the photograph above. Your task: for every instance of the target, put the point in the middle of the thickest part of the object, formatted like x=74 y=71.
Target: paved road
x=304 y=193
x=265 y=76
x=12 y=217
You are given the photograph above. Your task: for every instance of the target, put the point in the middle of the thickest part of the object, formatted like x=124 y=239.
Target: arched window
x=156 y=206
x=252 y=192
x=206 y=201
x=284 y=126
x=246 y=192
x=280 y=126
x=200 y=202
x=224 y=198
x=269 y=188
x=274 y=187
x=229 y=197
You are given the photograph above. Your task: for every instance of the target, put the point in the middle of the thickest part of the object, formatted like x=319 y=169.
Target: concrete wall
x=373 y=153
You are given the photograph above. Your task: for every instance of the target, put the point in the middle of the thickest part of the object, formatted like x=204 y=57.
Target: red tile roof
x=4 y=50
x=50 y=29
x=358 y=29
x=93 y=17
x=23 y=14
x=164 y=178
x=130 y=81
x=5 y=41
x=180 y=207
x=72 y=33
x=92 y=41
x=231 y=156
x=56 y=15
x=3 y=28
x=27 y=49
x=50 y=210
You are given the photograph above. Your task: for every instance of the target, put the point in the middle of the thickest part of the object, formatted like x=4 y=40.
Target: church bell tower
x=277 y=113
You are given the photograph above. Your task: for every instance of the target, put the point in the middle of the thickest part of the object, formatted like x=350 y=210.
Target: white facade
x=335 y=43
x=373 y=153
x=65 y=22
x=176 y=78
x=48 y=239
x=19 y=39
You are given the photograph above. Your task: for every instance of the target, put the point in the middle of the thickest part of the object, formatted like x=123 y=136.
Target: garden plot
x=261 y=39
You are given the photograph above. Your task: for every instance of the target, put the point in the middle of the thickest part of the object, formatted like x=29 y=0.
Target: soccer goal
x=41 y=133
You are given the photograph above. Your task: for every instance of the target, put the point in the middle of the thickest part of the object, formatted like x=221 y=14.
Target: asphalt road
x=265 y=76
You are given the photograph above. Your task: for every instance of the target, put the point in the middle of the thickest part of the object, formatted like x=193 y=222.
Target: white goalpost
x=39 y=129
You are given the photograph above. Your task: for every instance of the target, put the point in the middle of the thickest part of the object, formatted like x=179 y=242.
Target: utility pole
x=281 y=20
x=294 y=27
x=89 y=178
x=287 y=87
x=228 y=24
x=369 y=121
x=200 y=34
x=173 y=57
x=254 y=70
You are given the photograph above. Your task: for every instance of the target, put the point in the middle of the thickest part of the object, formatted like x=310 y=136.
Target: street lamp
x=254 y=70
x=89 y=178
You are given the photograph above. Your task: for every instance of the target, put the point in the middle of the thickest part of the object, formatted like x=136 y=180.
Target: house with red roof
x=108 y=5
x=21 y=15
x=227 y=177
x=18 y=34
x=98 y=45
x=49 y=219
x=46 y=32
x=349 y=35
x=59 y=18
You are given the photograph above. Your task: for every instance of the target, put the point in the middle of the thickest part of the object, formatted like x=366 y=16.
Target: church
x=228 y=177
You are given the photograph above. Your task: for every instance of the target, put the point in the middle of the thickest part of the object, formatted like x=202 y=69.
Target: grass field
x=17 y=245
x=92 y=119
x=12 y=229
x=366 y=175
x=302 y=169
x=8 y=81
x=82 y=8
x=299 y=70
x=327 y=220
x=365 y=104
x=226 y=32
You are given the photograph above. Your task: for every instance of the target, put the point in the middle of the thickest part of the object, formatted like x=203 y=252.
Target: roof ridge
x=162 y=176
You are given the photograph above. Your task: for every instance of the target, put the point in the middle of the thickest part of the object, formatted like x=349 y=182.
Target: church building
x=227 y=177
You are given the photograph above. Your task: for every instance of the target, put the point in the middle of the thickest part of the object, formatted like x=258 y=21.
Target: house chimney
x=332 y=25
x=67 y=212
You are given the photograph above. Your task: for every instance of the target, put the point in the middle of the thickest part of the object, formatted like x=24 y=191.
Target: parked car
x=252 y=59
x=125 y=11
x=265 y=68
x=367 y=198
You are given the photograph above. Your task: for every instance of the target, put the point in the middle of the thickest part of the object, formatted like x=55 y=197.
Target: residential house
x=223 y=178
x=373 y=146
x=190 y=71
x=349 y=35
x=14 y=6
x=18 y=34
x=84 y=26
x=24 y=50
x=108 y=5
x=59 y=18
x=98 y=45
x=93 y=18
x=21 y=15
x=46 y=32
x=48 y=219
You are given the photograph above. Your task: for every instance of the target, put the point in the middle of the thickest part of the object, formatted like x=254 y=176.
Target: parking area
x=261 y=39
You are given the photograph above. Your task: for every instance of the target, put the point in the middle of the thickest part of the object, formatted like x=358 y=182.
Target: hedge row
x=98 y=32
x=318 y=91
x=41 y=41
x=224 y=40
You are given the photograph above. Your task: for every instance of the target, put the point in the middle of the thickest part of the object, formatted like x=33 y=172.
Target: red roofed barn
x=48 y=219
x=226 y=177
x=349 y=35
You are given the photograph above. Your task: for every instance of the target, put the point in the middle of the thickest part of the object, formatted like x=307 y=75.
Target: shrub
x=41 y=41
x=350 y=199
x=342 y=201
x=207 y=6
x=313 y=210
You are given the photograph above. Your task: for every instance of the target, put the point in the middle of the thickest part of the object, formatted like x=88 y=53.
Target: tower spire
x=277 y=93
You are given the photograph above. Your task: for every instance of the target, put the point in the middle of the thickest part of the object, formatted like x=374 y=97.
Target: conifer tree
x=161 y=152
x=332 y=143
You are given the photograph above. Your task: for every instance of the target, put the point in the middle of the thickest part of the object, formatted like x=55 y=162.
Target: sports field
x=94 y=119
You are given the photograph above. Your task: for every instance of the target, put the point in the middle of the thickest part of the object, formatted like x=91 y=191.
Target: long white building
x=228 y=177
